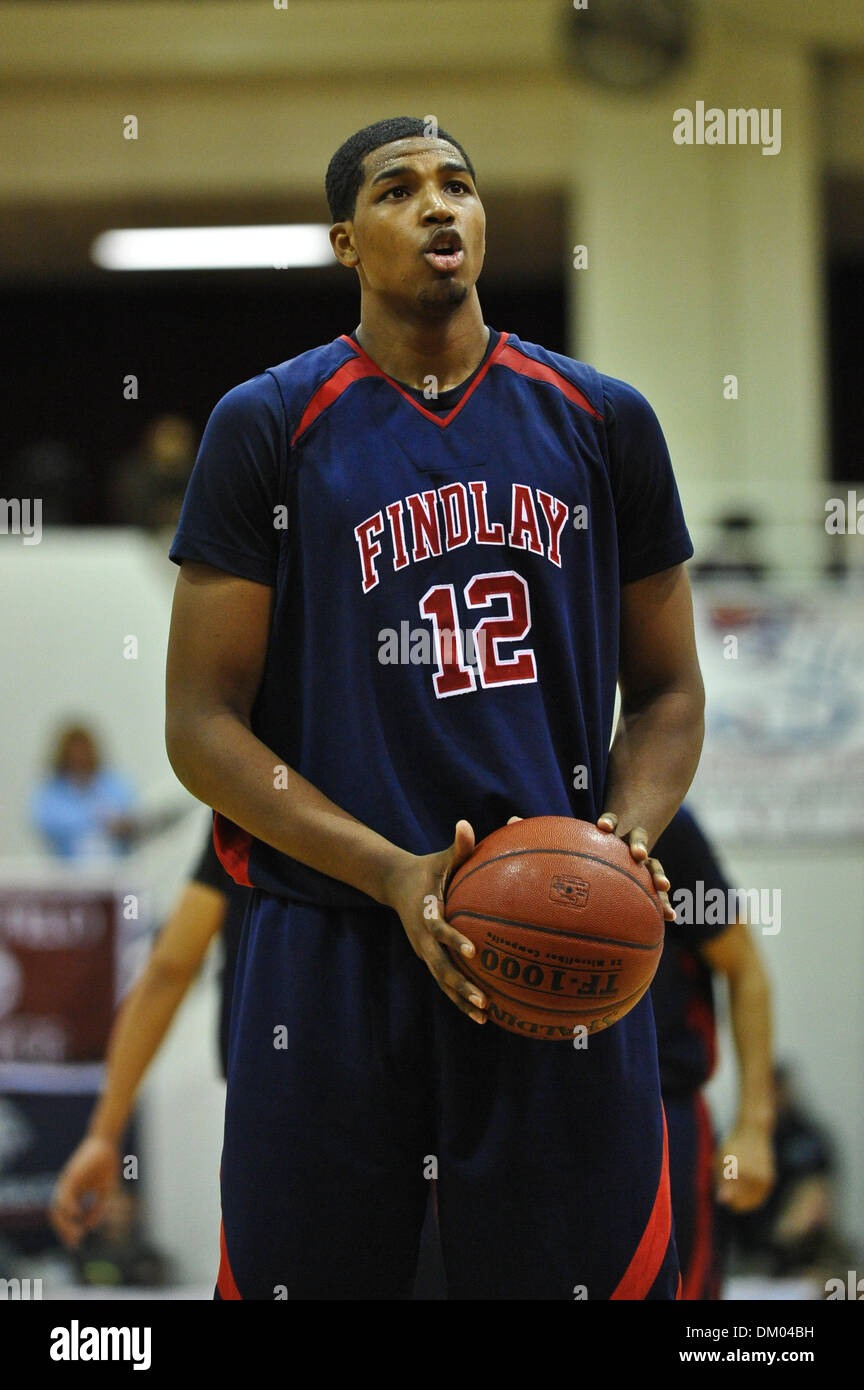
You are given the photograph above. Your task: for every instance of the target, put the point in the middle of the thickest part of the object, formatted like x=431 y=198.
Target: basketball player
x=512 y=518
x=684 y=1014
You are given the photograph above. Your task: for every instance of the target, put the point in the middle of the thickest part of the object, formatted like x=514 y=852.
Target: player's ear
x=342 y=241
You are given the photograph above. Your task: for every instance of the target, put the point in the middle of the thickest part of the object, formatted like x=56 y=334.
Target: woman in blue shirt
x=83 y=810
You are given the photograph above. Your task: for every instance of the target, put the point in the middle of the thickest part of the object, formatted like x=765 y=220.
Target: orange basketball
x=568 y=928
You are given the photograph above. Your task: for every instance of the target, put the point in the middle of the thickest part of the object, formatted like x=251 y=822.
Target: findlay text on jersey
x=445 y=518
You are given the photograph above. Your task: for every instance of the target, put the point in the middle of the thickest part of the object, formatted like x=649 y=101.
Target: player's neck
x=411 y=351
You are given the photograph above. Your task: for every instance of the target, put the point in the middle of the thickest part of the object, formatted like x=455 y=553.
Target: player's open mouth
x=446 y=252
x=445 y=260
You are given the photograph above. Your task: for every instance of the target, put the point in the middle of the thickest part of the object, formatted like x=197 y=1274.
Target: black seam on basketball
x=554 y=931
x=573 y=854
x=491 y=986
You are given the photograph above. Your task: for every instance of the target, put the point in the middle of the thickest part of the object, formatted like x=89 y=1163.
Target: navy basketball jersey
x=447 y=581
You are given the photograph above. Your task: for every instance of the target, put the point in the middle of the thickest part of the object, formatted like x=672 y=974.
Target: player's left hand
x=753 y=1152
x=637 y=839
x=83 y=1188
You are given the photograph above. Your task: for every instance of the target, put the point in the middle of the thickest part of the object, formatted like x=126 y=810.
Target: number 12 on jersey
x=454 y=675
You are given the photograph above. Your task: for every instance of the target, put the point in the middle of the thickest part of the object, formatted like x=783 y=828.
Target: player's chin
x=446 y=293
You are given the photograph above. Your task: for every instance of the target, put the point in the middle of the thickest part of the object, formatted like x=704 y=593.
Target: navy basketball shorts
x=353 y=1081
x=691 y=1174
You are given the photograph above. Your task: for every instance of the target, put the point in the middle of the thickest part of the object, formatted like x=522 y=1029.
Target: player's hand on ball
x=417 y=894
x=637 y=839
x=83 y=1188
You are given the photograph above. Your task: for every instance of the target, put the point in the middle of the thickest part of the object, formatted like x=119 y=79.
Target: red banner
x=58 y=951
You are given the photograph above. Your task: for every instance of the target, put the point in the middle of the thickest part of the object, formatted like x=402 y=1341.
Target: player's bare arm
x=91 y=1173
x=734 y=954
x=660 y=730
x=217 y=645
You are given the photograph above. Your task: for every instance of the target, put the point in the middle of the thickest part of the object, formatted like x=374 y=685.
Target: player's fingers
x=658 y=873
x=466 y=1008
x=440 y=928
x=638 y=842
x=662 y=884
x=450 y=860
x=462 y=991
x=513 y=820
x=94 y=1214
x=747 y=1199
x=731 y=1192
x=66 y=1218
x=608 y=821
x=436 y=925
x=742 y=1196
x=463 y=843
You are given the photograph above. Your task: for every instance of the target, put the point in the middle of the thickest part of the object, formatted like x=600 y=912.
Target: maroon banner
x=58 y=951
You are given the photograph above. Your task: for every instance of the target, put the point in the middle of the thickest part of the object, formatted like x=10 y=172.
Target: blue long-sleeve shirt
x=72 y=816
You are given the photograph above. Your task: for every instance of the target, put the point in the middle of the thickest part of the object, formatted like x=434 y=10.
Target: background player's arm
x=141 y=1024
x=659 y=735
x=220 y=628
x=734 y=954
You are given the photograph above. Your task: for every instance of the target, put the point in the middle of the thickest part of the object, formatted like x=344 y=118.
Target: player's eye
x=457 y=183
x=398 y=188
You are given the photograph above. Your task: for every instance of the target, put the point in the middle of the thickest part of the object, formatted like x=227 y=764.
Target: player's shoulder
x=299 y=379
x=623 y=403
x=617 y=401
x=245 y=409
x=555 y=368
x=286 y=386
x=256 y=392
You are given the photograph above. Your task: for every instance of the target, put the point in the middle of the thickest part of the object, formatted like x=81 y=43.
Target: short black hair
x=345 y=170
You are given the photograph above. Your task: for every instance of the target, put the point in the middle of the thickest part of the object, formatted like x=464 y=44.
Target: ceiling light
x=213 y=248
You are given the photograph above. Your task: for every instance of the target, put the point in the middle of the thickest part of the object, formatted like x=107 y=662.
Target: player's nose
x=435 y=207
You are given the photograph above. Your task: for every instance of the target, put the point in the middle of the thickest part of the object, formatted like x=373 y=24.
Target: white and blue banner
x=784 y=744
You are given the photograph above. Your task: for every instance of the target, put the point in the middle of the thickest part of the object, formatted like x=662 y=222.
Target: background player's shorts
x=353 y=1080
x=691 y=1170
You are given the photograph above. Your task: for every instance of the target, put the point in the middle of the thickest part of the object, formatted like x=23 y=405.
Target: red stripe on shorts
x=651 y=1250
x=225 y=1281
x=696 y=1285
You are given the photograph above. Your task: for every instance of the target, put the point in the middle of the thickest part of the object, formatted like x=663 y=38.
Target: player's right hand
x=417 y=894
x=83 y=1188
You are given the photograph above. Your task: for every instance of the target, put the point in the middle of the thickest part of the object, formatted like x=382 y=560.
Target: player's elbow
x=181 y=744
x=695 y=687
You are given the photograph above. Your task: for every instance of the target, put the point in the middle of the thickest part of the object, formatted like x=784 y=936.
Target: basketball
x=568 y=928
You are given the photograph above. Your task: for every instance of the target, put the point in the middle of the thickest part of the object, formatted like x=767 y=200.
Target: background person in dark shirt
x=682 y=993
